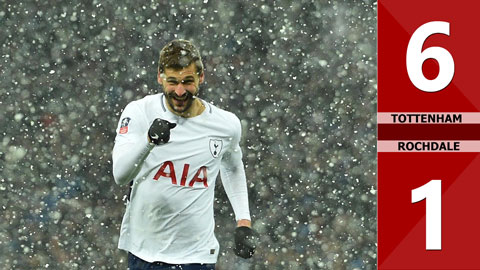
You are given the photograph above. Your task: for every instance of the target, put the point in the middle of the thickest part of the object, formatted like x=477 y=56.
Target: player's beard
x=186 y=101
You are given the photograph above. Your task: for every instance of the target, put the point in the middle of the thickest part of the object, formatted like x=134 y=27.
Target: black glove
x=245 y=242
x=159 y=132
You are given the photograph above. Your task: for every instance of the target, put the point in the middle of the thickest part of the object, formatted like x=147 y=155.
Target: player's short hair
x=179 y=54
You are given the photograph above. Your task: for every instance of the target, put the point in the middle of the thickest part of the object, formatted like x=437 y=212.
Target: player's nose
x=180 y=90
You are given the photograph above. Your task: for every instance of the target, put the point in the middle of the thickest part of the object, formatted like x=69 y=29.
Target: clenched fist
x=159 y=132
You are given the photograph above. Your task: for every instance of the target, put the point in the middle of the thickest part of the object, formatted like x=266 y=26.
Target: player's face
x=180 y=86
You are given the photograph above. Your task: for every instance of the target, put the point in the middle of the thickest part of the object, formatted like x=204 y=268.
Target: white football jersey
x=169 y=216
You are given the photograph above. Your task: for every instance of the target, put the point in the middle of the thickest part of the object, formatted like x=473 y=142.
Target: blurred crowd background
x=301 y=75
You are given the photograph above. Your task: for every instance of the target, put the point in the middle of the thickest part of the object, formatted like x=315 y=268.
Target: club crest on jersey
x=124 y=125
x=216 y=147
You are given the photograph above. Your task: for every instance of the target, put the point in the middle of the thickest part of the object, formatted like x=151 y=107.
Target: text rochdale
x=428 y=146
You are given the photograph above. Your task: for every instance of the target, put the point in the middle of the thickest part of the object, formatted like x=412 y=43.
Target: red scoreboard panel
x=428 y=134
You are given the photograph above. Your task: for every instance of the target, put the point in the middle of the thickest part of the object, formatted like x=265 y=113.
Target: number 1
x=432 y=192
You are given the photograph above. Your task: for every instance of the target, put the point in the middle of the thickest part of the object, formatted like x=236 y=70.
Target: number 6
x=415 y=58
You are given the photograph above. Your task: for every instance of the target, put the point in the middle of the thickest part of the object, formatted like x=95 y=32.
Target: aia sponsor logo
x=167 y=170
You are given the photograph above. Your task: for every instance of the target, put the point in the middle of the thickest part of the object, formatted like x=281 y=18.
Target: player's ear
x=159 y=78
x=201 y=78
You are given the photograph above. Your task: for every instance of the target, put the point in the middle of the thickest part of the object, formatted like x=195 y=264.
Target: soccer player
x=170 y=147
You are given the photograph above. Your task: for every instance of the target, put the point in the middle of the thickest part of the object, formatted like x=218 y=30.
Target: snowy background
x=300 y=74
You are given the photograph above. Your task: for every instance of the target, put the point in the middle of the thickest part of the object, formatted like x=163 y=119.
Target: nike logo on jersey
x=155 y=137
